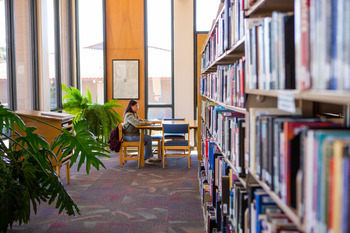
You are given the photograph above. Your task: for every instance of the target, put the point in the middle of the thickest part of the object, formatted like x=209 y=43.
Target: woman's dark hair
x=128 y=108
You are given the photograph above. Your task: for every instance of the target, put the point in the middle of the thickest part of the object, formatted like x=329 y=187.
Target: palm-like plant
x=27 y=177
x=102 y=118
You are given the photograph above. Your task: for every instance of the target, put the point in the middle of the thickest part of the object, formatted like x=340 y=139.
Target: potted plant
x=27 y=177
x=102 y=118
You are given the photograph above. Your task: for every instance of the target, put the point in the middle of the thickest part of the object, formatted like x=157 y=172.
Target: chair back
x=175 y=128
x=120 y=128
x=174 y=119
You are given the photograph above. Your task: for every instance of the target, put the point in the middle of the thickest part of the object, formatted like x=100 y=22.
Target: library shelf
x=233 y=108
x=262 y=7
x=238 y=48
x=220 y=10
x=228 y=57
x=273 y=93
x=242 y=180
x=324 y=96
x=327 y=96
x=290 y=212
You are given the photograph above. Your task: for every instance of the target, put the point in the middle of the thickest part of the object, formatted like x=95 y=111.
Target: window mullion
x=11 y=61
x=34 y=62
x=58 y=53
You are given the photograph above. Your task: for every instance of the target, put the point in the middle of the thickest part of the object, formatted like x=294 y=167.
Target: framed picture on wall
x=125 y=80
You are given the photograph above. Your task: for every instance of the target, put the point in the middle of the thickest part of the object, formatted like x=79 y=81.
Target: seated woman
x=131 y=134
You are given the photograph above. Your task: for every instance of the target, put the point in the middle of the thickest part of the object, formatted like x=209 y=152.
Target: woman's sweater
x=131 y=120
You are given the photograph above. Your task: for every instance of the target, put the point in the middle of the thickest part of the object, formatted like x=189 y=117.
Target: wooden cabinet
x=59 y=120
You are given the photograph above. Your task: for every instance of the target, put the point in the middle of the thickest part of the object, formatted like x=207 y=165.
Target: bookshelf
x=291 y=213
x=265 y=7
x=233 y=54
x=265 y=86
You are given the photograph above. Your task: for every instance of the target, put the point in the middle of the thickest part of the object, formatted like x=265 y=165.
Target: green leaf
x=82 y=144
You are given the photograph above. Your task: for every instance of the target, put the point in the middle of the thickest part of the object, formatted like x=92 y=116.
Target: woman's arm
x=134 y=120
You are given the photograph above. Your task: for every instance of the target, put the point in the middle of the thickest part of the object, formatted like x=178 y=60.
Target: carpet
x=127 y=199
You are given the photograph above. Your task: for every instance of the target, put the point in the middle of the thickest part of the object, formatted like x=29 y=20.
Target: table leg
x=141 y=148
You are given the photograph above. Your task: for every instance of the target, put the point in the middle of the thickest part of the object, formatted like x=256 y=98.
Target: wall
x=183 y=58
x=125 y=40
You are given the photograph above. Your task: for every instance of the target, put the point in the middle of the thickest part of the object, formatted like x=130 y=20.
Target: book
x=261 y=199
x=338 y=189
x=302 y=43
x=252 y=136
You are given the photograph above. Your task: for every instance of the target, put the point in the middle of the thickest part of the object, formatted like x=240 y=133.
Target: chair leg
x=68 y=172
x=189 y=160
x=121 y=157
x=57 y=169
x=159 y=149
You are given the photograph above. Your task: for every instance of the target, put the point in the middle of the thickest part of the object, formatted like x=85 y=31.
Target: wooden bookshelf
x=289 y=211
x=237 y=49
x=220 y=10
x=242 y=180
x=325 y=96
x=228 y=57
x=310 y=102
x=233 y=108
x=273 y=93
x=264 y=7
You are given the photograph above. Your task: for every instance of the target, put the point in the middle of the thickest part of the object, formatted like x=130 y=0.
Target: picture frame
x=125 y=79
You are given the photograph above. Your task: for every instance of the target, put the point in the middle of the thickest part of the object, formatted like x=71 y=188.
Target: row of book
x=304 y=49
x=228 y=29
x=269 y=49
x=229 y=206
x=226 y=85
x=322 y=44
x=227 y=129
x=305 y=162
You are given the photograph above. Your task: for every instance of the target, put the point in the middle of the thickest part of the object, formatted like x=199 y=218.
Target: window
x=205 y=13
x=66 y=60
x=159 y=59
x=3 y=57
x=159 y=113
x=47 y=55
x=23 y=73
x=91 y=54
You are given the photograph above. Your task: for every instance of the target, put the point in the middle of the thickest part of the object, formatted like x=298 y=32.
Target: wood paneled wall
x=125 y=40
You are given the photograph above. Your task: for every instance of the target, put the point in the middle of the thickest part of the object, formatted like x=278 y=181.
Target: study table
x=158 y=127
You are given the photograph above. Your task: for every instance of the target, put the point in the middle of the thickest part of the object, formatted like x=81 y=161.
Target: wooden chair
x=174 y=135
x=176 y=144
x=126 y=147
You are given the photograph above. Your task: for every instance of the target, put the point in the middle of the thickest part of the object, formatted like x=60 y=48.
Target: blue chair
x=159 y=138
x=174 y=135
x=176 y=145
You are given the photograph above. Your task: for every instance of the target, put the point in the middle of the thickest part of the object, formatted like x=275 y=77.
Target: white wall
x=183 y=58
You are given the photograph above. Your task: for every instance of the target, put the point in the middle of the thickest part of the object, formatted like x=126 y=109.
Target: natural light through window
x=206 y=11
x=159 y=58
x=91 y=48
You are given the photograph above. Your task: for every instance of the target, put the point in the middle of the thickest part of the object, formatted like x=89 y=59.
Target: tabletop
x=158 y=126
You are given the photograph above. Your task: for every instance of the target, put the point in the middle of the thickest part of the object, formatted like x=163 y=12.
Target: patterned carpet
x=128 y=199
